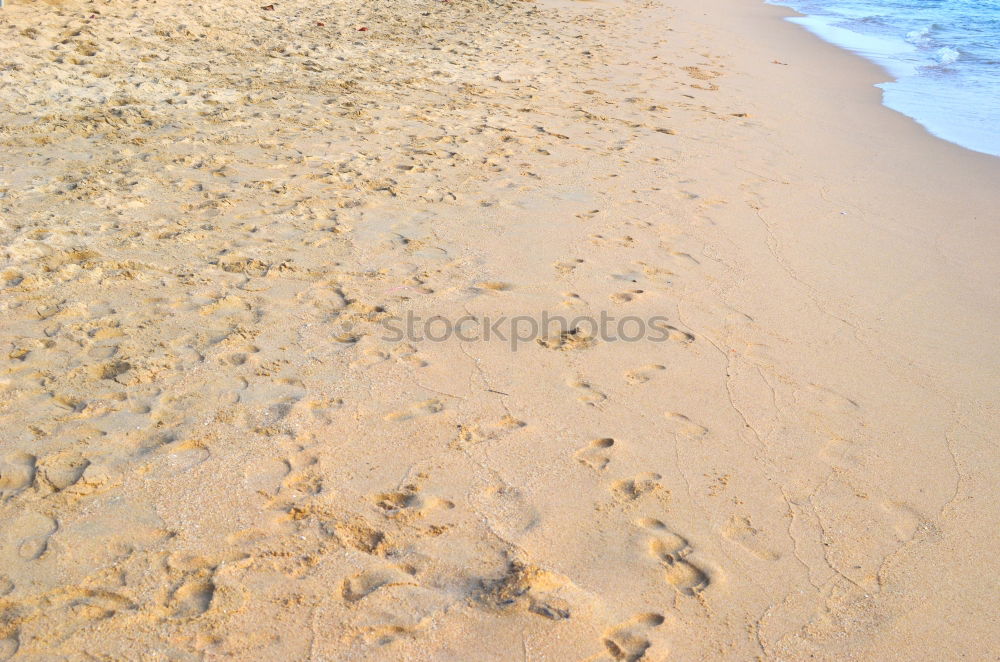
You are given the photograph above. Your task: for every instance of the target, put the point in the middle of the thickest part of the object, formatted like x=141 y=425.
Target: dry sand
x=210 y=450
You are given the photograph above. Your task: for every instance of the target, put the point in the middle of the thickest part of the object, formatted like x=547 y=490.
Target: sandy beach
x=215 y=217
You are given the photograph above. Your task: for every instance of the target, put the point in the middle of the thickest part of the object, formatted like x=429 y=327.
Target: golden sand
x=211 y=451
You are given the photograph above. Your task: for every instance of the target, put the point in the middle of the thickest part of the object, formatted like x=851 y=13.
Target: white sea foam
x=947 y=55
x=919 y=37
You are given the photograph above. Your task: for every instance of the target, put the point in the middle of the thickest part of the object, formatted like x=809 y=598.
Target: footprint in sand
x=682 y=426
x=644 y=374
x=630 y=489
x=78 y=607
x=192 y=588
x=526 y=586
x=564 y=267
x=625 y=297
x=596 y=454
x=492 y=286
x=904 y=519
x=671 y=550
x=31 y=533
x=571 y=300
x=630 y=641
x=587 y=393
x=319 y=410
x=680 y=258
x=655 y=272
x=740 y=530
x=265 y=474
x=357 y=533
x=407 y=354
x=671 y=333
x=363 y=584
x=62 y=470
x=701 y=74
x=408 y=503
x=303 y=481
x=191 y=599
x=477 y=433
x=369 y=357
x=416 y=410
x=17 y=472
x=575 y=338
x=624 y=241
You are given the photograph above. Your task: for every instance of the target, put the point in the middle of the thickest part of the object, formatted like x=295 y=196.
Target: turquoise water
x=944 y=57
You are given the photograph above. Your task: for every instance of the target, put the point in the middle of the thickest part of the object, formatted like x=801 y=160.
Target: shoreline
x=887 y=146
x=815 y=26
x=212 y=214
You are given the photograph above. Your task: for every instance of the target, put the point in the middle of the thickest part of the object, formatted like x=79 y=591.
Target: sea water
x=943 y=57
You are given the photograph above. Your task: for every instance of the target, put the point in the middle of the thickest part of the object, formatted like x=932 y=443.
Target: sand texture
x=210 y=450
